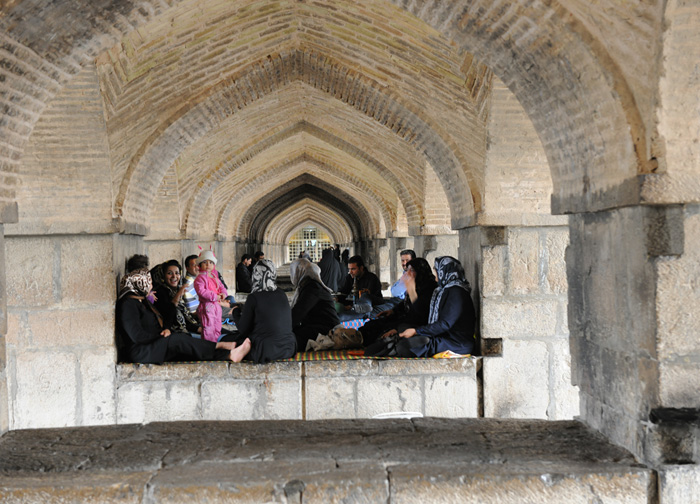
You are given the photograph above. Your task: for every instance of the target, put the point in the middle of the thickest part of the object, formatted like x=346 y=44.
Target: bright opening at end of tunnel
x=309 y=239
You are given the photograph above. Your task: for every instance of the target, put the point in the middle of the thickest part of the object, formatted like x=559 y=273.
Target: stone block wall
x=677 y=306
x=523 y=293
x=4 y=399
x=633 y=297
x=296 y=390
x=366 y=388
x=208 y=391
x=60 y=339
x=60 y=351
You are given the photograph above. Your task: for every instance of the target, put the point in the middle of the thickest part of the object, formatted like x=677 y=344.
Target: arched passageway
x=510 y=134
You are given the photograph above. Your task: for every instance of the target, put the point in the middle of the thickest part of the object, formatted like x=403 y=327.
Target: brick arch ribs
x=282 y=229
x=356 y=189
x=576 y=96
x=156 y=154
x=365 y=226
x=258 y=216
x=196 y=204
x=530 y=56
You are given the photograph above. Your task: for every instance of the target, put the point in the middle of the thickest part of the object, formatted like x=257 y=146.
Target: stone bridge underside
x=207 y=105
x=551 y=145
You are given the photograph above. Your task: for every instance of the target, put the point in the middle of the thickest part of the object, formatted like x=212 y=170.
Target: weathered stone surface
x=321 y=369
x=147 y=402
x=566 y=396
x=517 y=385
x=274 y=481
x=451 y=396
x=388 y=395
x=331 y=397
x=612 y=321
x=523 y=261
x=493 y=273
x=556 y=243
x=159 y=252
x=71 y=328
x=445 y=245
x=678 y=383
x=84 y=276
x=677 y=304
x=516 y=318
x=16 y=330
x=679 y=483
x=4 y=403
x=418 y=460
x=172 y=371
x=75 y=487
x=97 y=386
x=408 y=484
x=30 y=275
x=46 y=392
x=251 y=399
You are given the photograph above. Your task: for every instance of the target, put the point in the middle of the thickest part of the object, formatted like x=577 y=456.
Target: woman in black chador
x=413 y=311
x=266 y=318
x=332 y=274
x=313 y=307
x=452 y=319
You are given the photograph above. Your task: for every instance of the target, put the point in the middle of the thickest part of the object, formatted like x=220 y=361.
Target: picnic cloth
x=331 y=355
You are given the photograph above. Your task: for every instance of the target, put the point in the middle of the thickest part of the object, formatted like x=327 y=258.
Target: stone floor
x=395 y=460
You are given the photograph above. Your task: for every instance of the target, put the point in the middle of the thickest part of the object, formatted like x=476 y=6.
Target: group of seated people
x=181 y=319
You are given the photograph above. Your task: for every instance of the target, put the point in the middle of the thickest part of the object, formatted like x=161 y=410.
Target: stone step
x=397 y=460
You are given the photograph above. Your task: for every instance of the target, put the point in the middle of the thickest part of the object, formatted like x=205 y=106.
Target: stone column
x=4 y=398
x=519 y=288
x=633 y=314
x=60 y=342
x=384 y=259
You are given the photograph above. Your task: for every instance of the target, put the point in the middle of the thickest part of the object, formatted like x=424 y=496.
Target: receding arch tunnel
x=275 y=203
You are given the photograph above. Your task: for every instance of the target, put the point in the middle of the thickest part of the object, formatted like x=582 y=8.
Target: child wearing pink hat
x=211 y=292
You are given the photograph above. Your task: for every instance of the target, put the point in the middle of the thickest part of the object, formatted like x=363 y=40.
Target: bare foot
x=226 y=345
x=237 y=354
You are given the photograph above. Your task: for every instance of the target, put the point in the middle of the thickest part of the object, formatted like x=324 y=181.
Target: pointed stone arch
x=232 y=216
x=255 y=221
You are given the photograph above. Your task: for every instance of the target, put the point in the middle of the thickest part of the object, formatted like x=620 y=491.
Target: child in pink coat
x=211 y=292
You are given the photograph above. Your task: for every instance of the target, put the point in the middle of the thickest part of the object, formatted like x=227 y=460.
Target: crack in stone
x=149 y=487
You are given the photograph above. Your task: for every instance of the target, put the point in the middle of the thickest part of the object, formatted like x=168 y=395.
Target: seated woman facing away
x=413 y=311
x=142 y=338
x=313 y=307
x=170 y=302
x=266 y=318
x=451 y=322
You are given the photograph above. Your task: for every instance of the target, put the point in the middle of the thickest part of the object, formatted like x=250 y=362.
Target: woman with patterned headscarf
x=452 y=319
x=142 y=338
x=170 y=300
x=266 y=317
x=313 y=307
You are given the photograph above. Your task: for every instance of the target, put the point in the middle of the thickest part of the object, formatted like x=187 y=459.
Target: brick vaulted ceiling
x=232 y=93
x=221 y=103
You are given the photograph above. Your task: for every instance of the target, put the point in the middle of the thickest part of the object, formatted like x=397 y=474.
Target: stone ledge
x=205 y=371
x=418 y=460
x=297 y=390
x=389 y=367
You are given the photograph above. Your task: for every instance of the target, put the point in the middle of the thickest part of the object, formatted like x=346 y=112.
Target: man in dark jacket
x=243 y=279
x=367 y=282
